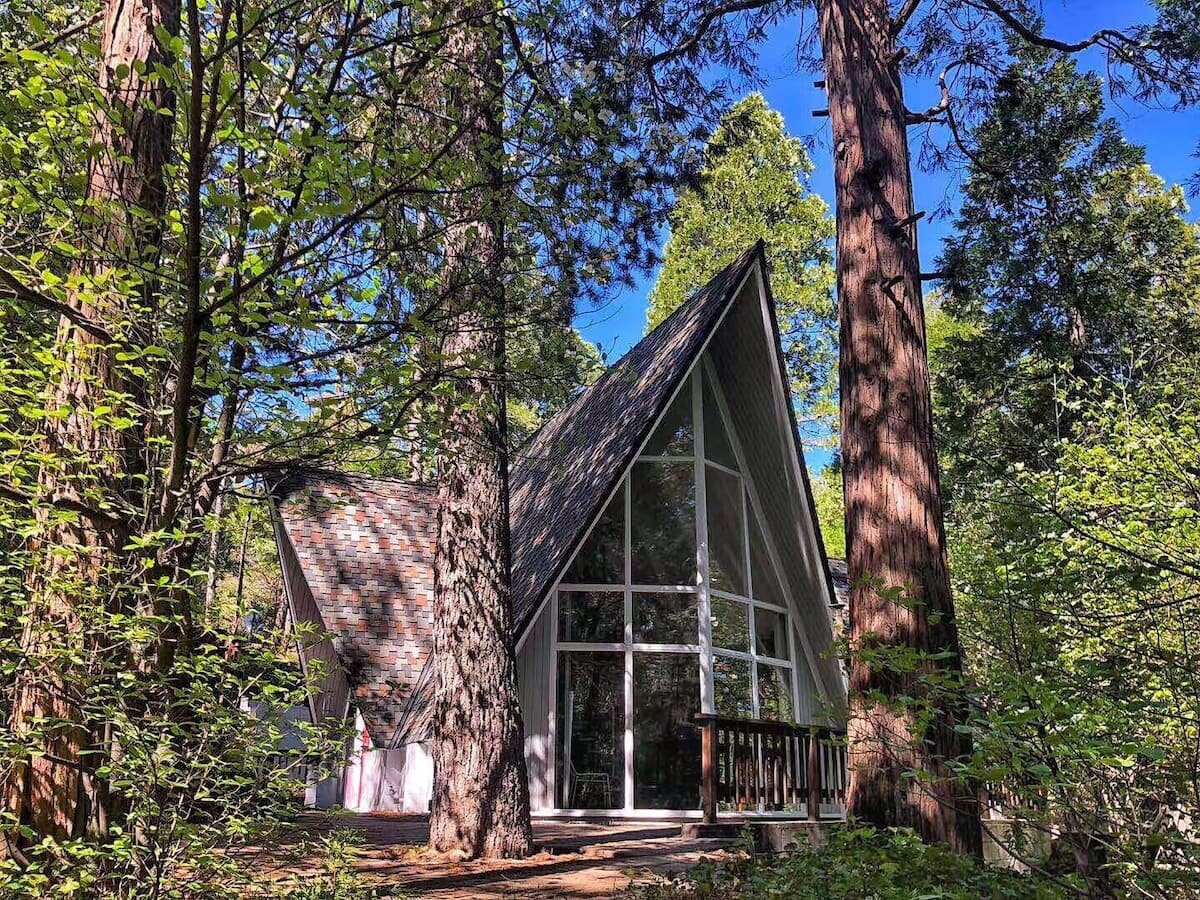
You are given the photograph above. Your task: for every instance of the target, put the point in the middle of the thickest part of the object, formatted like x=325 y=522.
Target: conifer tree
x=754 y=183
x=1071 y=264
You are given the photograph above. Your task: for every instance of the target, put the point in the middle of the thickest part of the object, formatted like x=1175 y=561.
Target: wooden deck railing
x=751 y=765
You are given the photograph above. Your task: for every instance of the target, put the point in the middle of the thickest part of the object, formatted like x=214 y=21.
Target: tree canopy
x=1063 y=358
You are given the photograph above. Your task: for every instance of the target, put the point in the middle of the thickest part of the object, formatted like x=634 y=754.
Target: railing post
x=708 y=777
x=814 y=775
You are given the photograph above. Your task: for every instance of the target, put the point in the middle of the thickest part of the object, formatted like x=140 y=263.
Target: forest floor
x=573 y=859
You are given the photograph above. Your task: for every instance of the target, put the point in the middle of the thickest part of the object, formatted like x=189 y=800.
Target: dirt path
x=575 y=859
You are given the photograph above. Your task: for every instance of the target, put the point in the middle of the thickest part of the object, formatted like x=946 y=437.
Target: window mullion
x=628 y=645
x=791 y=638
x=556 y=801
x=703 y=602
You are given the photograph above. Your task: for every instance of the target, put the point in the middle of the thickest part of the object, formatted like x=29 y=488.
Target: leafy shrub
x=339 y=880
x=209 y=765
x=856 y=864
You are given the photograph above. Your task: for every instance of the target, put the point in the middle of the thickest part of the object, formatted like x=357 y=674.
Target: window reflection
x=666 y=618
x=593 y=616
x=663 y=523
x=730 y=624
x=673 y=437
x=717 y=445
x=731 y=687
x=666 y=741
x=726 y=534
x=601 y=559
x=762 y=574
x=590 y=762
x=770 y=633
x=775 y=693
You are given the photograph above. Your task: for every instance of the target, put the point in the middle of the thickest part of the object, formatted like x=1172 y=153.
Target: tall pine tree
x=1071 y=269
x=754 y=183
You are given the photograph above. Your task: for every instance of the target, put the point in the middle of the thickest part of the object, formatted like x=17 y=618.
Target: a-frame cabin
x=668 y=578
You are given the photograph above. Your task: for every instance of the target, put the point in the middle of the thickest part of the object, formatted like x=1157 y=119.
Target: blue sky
x=1170 y=139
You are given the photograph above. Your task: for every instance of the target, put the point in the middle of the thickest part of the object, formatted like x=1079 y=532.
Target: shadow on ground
x=573 y=859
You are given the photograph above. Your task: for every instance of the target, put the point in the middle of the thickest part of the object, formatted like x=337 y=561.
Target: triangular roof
x=357 y=558
x=560 y=482
x=563 y=478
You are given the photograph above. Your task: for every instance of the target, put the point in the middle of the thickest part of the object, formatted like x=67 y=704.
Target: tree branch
x=1106 y=37
x=12 y=286
x=67 y=504
x=706 y=22
x=70 y=32
x=903 y=15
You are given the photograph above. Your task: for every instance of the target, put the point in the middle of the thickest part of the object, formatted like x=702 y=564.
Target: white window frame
x=702 y=374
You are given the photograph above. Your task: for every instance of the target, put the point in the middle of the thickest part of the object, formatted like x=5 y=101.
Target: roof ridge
x=296 y=479
x=742 y=259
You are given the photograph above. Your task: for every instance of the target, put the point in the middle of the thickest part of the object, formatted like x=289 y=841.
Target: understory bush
x=338 y=880
x=857 y=864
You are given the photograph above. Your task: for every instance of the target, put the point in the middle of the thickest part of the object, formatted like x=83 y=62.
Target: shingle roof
x=564 y=476
x=841 y=579
x=365 y=546
x=839 y=612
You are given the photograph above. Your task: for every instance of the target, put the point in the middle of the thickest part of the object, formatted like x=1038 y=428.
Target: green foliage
x=858 y=864
x=754 y=184
x=209 y=760
x=1071 y=263
x=280 y=304
x=547 y=370
x=1063 y=358
x=338 y=880
x=830 y=502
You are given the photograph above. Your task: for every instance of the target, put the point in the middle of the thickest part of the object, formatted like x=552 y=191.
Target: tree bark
x=480 y=803
x=894 y=527
x=52 y=791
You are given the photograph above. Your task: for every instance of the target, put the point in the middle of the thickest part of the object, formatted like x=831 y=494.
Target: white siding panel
x=534 y=667
x=809 y=708
x=380 y=780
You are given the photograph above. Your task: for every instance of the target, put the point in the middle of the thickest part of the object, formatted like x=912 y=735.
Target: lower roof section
x=363 y=549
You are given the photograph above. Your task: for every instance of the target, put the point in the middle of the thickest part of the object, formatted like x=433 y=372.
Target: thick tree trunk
x=480 y=804
x=894 y=528
x=93 y=464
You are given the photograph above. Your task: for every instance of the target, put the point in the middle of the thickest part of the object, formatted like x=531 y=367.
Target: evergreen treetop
x=754 y=183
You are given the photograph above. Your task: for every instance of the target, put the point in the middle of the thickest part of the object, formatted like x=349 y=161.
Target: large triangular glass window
x=673 y=605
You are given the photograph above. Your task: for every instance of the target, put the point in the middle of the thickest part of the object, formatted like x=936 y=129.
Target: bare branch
x=937 y=112
x=1105 y=37
x=903 y=15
